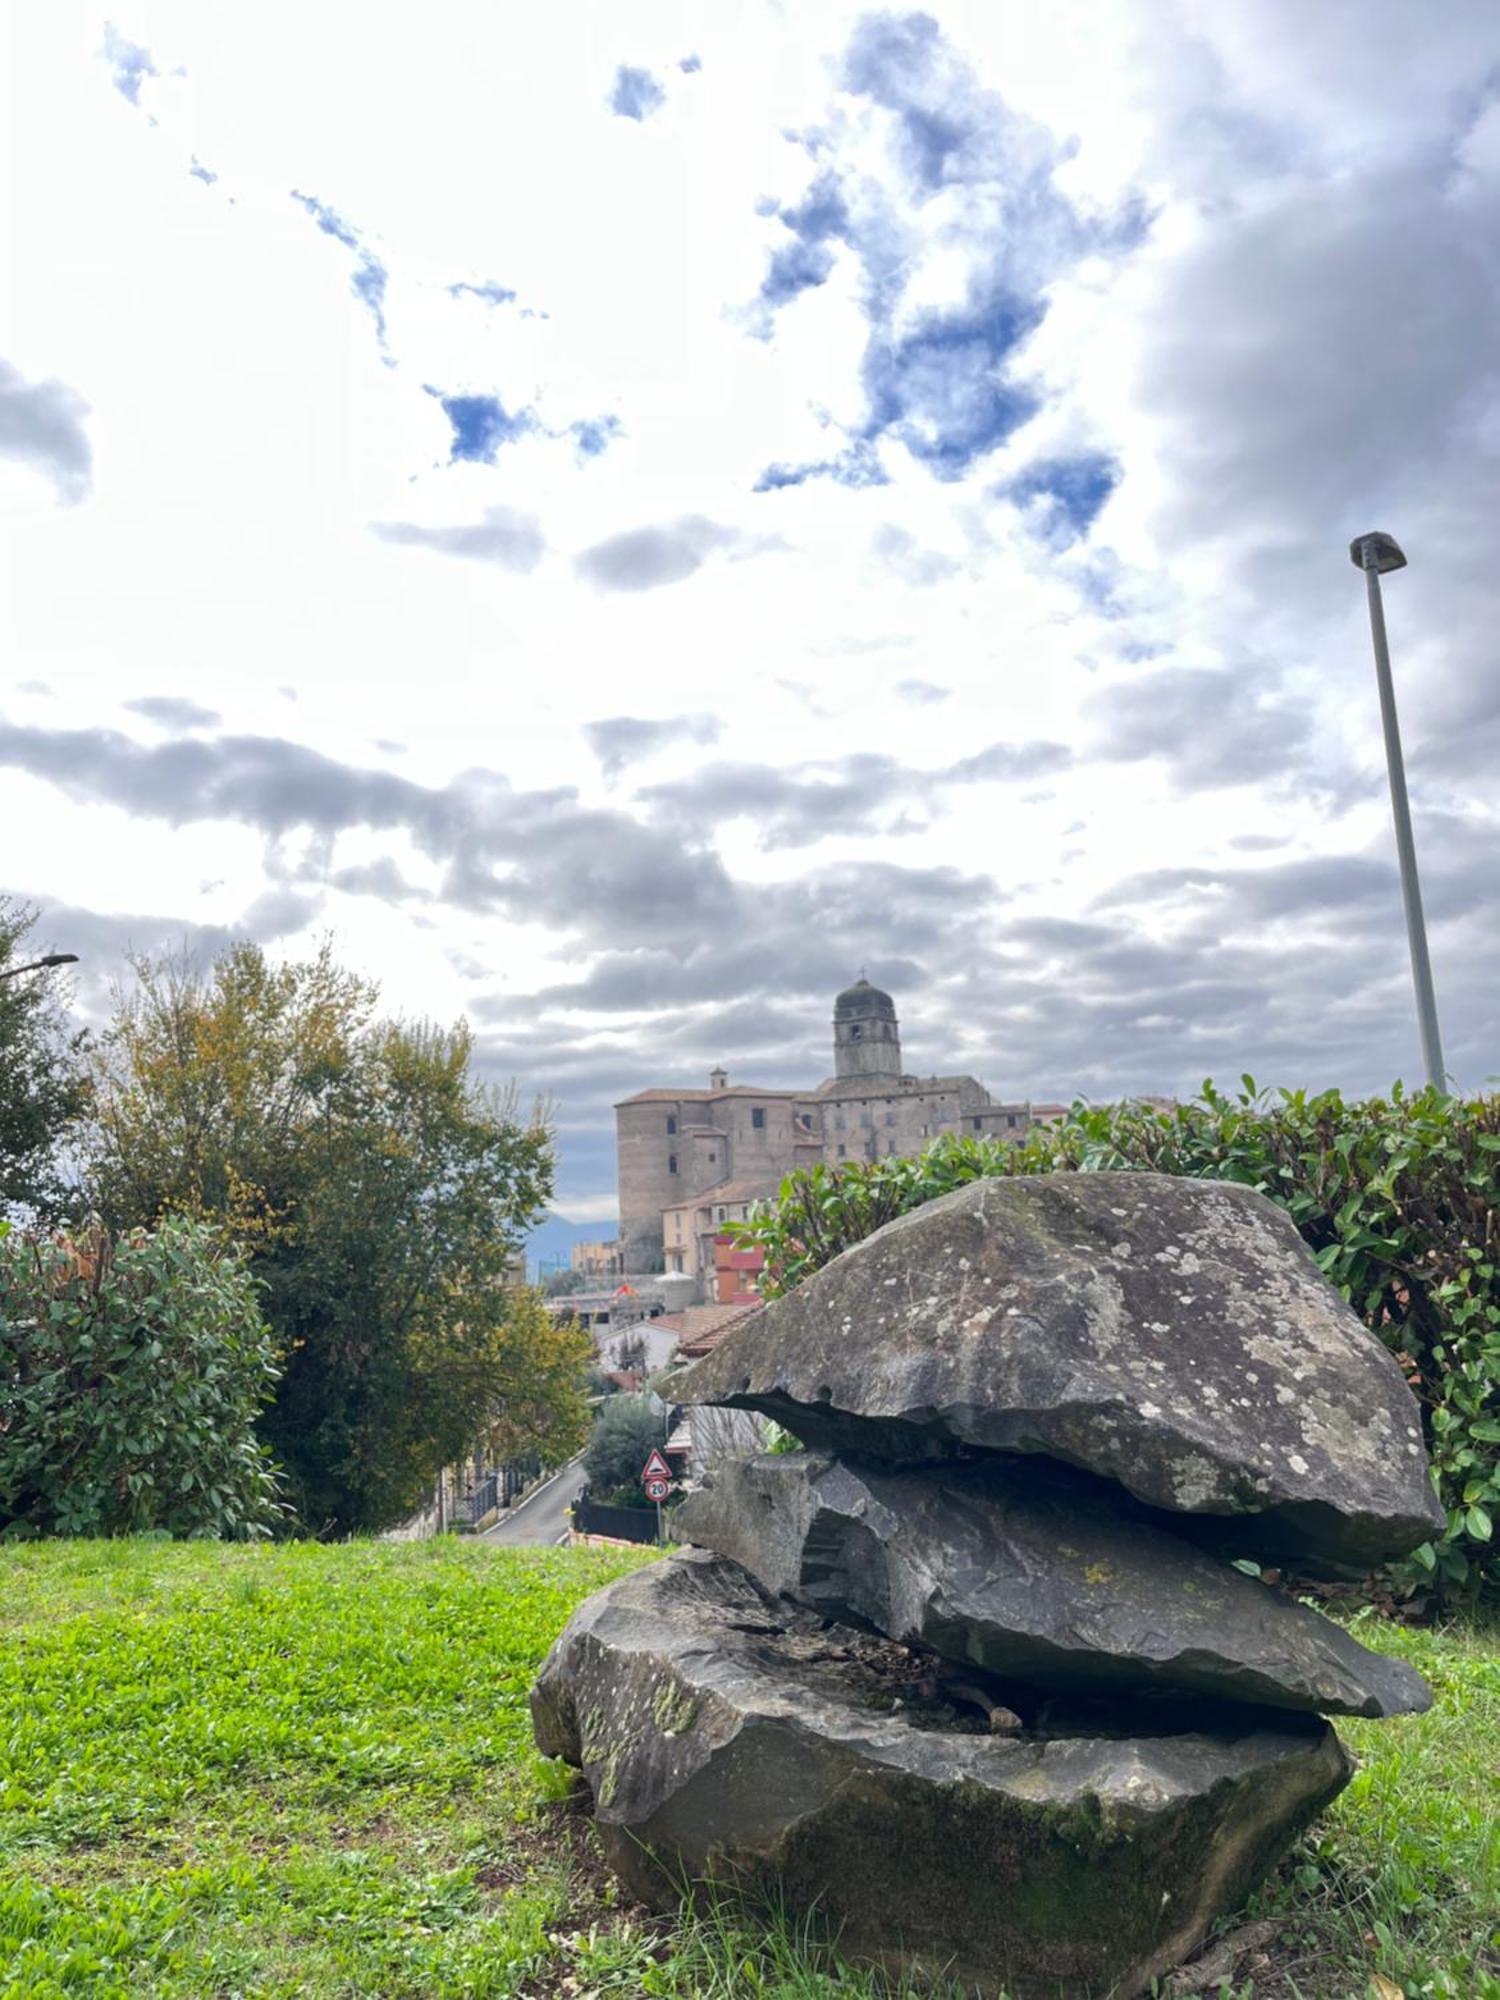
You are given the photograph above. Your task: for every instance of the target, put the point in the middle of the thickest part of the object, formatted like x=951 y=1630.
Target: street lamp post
x=1375 y=554
x=40 y=964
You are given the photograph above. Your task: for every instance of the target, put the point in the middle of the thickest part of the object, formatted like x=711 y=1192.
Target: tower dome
x=863 y=1002
x=866 y=1033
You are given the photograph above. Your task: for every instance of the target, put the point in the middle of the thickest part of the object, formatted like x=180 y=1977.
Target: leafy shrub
x=626 y=1431
x=133 y=1372
x=1398 y=1198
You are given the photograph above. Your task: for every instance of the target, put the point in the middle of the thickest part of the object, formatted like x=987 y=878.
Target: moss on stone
x=673 y=1708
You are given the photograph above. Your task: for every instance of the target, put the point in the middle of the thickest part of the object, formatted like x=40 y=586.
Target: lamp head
x=1377 y=552
x=59 y=958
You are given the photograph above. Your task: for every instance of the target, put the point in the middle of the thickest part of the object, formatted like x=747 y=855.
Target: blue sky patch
x=370 y=276
x=858 y=466
x=481 y=425
x=940 y=381
x=636 y=93
x=201 y=173
x=820 y=218
x=129 y=63
x=328 y=219
x=595 y=434
x=941 y=390
x=1073 y=490
x=491 y=293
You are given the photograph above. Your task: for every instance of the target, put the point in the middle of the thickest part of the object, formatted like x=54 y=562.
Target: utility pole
x=1377 y=554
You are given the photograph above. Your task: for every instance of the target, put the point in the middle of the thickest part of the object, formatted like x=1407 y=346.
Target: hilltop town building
x=690 y=1160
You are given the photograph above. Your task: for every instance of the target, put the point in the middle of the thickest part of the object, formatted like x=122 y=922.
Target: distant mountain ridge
x=554 y=1237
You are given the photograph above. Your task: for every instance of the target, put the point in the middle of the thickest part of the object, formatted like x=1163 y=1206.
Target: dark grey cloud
x=107 y=942
x=501 y=849
x=1322 y=359
x=793 y=805
x=174 y=711
x=619 y=740
x=41 y=424
x=1294 y=969
x=1212 y=726
x=647 y=558
x=279 y=912
x=509 y=539
x=1004 y=762
x=381 y=879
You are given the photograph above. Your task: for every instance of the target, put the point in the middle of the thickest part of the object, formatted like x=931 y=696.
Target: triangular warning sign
x=656 y=1467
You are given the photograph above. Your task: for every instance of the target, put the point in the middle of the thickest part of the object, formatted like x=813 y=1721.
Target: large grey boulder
x=1037 y=1573
x=725 y=1738
x=1173 y=1335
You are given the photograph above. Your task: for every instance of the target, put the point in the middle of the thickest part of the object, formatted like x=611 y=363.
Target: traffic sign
x=656 y=1467
x=658 y=1489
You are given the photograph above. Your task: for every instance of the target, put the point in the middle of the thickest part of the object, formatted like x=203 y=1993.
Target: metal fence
x=482 y=1498
x=621 y=1524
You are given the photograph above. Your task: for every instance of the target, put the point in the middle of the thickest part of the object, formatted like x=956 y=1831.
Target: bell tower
x=866 y=1034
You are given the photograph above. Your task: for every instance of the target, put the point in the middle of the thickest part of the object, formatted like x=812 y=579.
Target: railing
x=483 y=1498
x=515 y=1476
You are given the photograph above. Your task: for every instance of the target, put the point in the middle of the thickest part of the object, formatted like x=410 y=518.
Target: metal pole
x=1411 y=893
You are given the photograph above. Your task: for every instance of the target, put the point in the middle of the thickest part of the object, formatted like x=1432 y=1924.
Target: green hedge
x=133 y=1373
x=1396 y=1197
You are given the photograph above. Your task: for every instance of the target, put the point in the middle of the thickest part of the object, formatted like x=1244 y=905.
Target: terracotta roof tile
x=705 y=1326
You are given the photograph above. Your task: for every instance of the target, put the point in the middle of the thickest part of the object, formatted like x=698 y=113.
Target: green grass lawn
x=306 y=1770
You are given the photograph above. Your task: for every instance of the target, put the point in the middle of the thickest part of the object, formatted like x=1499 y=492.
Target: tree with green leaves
x=626 y=1431
x=135 y=1368
x=381 y=1193
x=41 y=1078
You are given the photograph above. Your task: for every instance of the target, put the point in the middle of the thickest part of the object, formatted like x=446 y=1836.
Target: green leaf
x=1478 y=1524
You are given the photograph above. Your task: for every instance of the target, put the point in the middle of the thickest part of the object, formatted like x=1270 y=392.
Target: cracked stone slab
x=1173 y=1335
x=1036 y=1573
x=727 y=1739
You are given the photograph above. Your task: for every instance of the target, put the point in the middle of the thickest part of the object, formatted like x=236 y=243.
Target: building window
x=841 y=1152
x=978 y=1124
x=671 y=1163
x=855 y=1033
x=890 y=1118
x=671 y=1126
x=1011 y=1120
x=713 y=1159
x=719 y=1214
x=758 y=1119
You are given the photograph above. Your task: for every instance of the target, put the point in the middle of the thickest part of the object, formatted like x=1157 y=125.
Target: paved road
x=544 y=1517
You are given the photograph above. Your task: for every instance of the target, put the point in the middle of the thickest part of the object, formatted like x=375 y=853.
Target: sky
x=624 y=516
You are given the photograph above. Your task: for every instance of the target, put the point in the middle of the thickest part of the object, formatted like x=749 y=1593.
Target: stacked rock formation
x=975 y=1675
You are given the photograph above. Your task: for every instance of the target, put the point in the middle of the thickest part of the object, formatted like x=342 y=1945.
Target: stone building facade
x=675 y=1146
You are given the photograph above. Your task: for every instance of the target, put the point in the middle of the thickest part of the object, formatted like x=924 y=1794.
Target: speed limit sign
x=658 y=1489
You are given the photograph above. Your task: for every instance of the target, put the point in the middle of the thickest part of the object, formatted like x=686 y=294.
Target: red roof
x=703 y=1327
